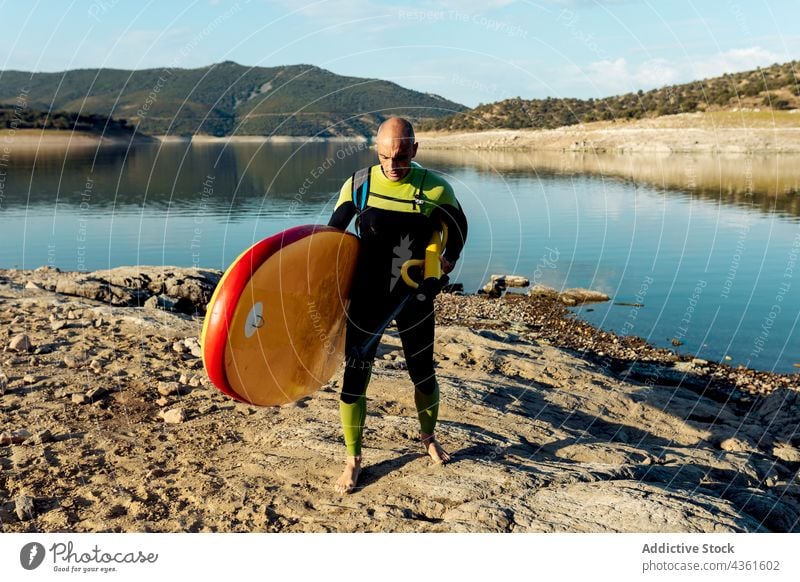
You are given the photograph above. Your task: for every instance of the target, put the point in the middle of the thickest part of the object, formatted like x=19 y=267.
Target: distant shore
x=717 y=133
x=729 y=132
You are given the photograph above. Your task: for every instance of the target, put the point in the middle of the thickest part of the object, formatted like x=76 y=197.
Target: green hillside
x=226 y=99
x=776 y=87
x=12 y=116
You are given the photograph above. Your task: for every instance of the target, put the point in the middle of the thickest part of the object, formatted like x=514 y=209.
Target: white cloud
x=609 y=77
x=733 y=61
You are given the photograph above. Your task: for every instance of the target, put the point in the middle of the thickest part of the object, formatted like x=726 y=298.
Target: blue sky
x=470 y=51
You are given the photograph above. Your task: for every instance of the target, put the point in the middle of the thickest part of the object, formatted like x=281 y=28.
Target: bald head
x=396 y=128
x=396 y=147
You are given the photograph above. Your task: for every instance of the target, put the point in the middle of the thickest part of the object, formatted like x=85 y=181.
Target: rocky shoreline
x=109 y=424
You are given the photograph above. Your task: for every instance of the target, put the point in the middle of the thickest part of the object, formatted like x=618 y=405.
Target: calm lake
x=707 y=248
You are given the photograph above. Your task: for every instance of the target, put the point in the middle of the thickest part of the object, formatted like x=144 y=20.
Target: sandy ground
x=544 y=439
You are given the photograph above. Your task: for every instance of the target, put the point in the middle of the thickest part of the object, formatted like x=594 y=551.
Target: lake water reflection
x=709 y=245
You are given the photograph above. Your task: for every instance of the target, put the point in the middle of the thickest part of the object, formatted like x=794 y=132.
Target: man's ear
x=414 y=150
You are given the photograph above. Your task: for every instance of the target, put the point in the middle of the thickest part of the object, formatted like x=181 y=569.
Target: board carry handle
x=431 y=265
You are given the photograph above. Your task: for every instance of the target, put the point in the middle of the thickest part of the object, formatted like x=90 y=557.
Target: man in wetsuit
x=397 y=205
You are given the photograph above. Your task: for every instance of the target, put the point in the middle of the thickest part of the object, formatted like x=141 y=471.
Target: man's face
x=395 y=157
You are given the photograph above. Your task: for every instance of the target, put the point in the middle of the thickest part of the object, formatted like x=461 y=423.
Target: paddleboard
x=274 y=328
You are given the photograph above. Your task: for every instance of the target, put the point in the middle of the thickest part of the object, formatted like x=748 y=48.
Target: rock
x=72 y=315
x=162 y=401
x=28 y=379
x=97 y=393
x=542 y=291
x=676 y=342
x=3 y=383
x=15 y=437
x=183 y=379
x=99 y=322
x=581 y=296
x=20 y=343
x=168 y=388
x=30 y=285
x=454 y=288
x=24 y=508
x=494 y=289
x=512 y=280
x=194 y=381
x=173 y=416
x=79 y=399
x=96 y=365
x=207 y=409
x=74 y=360
x=786 y=452
x=58 y=324
x=736 y=445
x=179 y=347
x=194 y=346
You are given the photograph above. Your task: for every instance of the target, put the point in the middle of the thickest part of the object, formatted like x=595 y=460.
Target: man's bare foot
x=349 y=477
x=434 y=449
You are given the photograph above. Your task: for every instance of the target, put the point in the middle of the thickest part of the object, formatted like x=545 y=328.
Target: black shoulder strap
x=361 y=188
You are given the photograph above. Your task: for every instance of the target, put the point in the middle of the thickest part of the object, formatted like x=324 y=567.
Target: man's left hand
x=447 y=266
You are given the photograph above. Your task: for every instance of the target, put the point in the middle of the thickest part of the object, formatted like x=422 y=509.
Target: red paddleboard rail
x=226 y=297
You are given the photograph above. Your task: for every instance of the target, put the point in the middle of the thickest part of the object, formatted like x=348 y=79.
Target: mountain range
x=225 y=99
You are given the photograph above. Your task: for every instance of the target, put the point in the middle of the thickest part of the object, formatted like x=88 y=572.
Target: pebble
x=3 y=383
x=73 y=361
x=14 y=438
x=79 y=399
x=20 y=343
x=194 y=381
x=97 y=393
x=24 y=508
x=32 y=286
x=163 y=401
x=207 y=409
x=194 y=346
x=184 y=379
x=28 y=379
x=58 y=324
x=735 y=445
x=179 y=347
x=96 y=365
x=168 y=388
x=173 y=416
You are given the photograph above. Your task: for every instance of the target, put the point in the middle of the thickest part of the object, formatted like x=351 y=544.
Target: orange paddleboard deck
x=274 y=329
